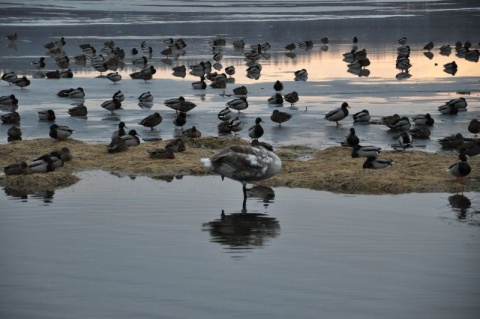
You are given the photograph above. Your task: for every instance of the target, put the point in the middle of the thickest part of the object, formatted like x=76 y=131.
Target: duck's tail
x=206 y=162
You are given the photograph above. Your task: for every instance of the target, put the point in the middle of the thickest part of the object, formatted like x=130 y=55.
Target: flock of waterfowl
x=242 y=163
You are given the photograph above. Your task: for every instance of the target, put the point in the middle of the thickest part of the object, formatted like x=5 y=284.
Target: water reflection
x=242 y=232
x=23 y=195
x=264 y=193
x=462 y=206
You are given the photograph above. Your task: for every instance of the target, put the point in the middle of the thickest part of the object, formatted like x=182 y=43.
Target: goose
x=111 y=105
x=43 y=165
x=238 y=104
x=278 y=86
x=291 y=98
x=256 y=131
x=8 y=100
x=114 y=77
x=226 y=114
x=152 y=120
x=405 y=140
x=131 y=139
x=178 y=145
x=47 y=115
x=78 y=110
x=9 y=77
x=361 y=117
x=14 y=133
x=39 y=64
x=118 y=96
x=280 y=117
x=120 y=132
x=245 y=163
x=377 y=163
x=191 y=132
x=365 y=151
x=200 y=85
x=17 y=169
x=351 y=139
x=77 y=93
x=402 y=124
x=60 y=132
x=21 y=82
x=241 y=90
x=338 y=114
x=146 y=97
x=236 y=125
x=461 y=168
x=180 y=119
x=10 y=118
x=423 y=119
x=162 y=153
x=277 y=98
x=474 y=127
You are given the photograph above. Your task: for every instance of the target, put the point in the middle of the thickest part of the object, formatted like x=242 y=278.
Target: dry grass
x=332 y=169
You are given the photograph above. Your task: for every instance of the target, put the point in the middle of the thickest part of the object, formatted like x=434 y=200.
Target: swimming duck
x=256 y=131
x=117 y=145
x=42 y=165
x=236 y=125
x=365 y=151
x=474 y=127
x=241 y=90
x=245 y=163
x=238 y=104
x=178 y=145
x=118 y=96
x=280 y=117
x=402 y=124
x=131 y=139
x=292 y=97
x=361 y=117
x=11 y=118
x=14 y=133
x=39 y=64
x=377 y=163
x=9 y=77
x=17 y=169
x=114 y=77
x=278 y=86
x=60 y=132
x=21 y=82
x=423 y=119
x=78 y=110
x=351 y=139
x=77 y=93
x=111 y=105
x=47 y=115
x=162 y=153
x=338 y=114
x=460 y=169
x=405 y=140
x=277 y=98
x=226 y=114
x=192 y=132
x=200 y=85
x=180 y=119
x=152 y=120
x=146 y=97
x=8 y=100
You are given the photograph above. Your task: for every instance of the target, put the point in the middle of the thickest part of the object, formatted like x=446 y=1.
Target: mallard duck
x=111 y=105
x=277 y=98
x=239 y=44
x=301 y=74
x=241 y=90
x=14 y=133
x=452 y=141
x=192 y=132
x=52 y=74
x=131 y=139
x=402 y=124
x=77 y=93
x=17 y=169
x=146 y=97
x=245 y=164
x=162 y=153
x=78 y=110
x=428 y=46
x=280 y=117
x=460 y=104
x=291 y=46
x=448 y=109
x=256 y=131
x=226 y=114
x=402 y=40
x=180 y=104
x=474 y=127
x=230 y=70
x=224 y=127
x=65 y=92
x=405 y=140
x=8 y=100
x=460 y=169
x=12 y=37
x=60 y=132
x=377 y=163
x=46 y=115
x=39 y=64
x=351 y=139
x=120 y=132
x=200 y=85
x=21 y=82
x=469 y=148
x=114 y=77
x=118 y=96
x=65 y=154
x=117 y=145
x=361 y=117
x=292 y=97
x=42 y=165
x=180 y=119
x=278 y=86
x=55 y=156
x=9 y=77
x=450 y=66
x=338 y=114
x=238 y=104
x=420 y=132
x=179 y=69
x=152 y=120
x=423 y=119
x=178 y=145
x=236 y=125
x=145 y=74
x=11 y=118
x=365 y=151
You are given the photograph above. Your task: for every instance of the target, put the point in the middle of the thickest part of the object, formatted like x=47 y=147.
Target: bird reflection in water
x=462 y=206
x=242 y=232
x=263 y=193
x=45 y=195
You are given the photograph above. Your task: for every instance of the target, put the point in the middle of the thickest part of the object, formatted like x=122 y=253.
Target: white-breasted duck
x=226 y=114
x=377 y=163
x=405 y=140
x=9 y=77
x=423 y=119
x=236 y=125
x=39 y=64
x=8 y=100
x=276 y=98
x=365 y=151
x=114 y=77
x=200 y=85
x=461 y=168
x=238 y=104
x=146 y=97
x=131 y=139
x=43 y=165
x=21 y=82
x=46 y=115
x=256 y=131
x=111 y=105
x=118 y=96
x=361 y=117
x=402 y=124
x=60 y=132
x=77 y=93
x=338 y=114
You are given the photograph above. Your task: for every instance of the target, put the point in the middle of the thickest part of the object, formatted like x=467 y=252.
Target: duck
x=238 y=104
x=111 y=105
x=460 y=169
x=365 y=151
x=9 y=77
x=114 y=77
x=65 y=154
x=179 y=69
x=65 y=92
x=361 y=117
x=241 y=90
x=460 y=104
x=277 y=98
x=162 y=153
x=230 y=70
x=145 y=74
x=377 y=163
x=278 y=86
x=17 y=169
x=178 y=145
x=429 y=46
x=12 y=37
x=39 y=64
x=200 y=85
x=256 y=131
x=42 y=165
x=117 y=145
x=448 y=109
x=236 y=125
x=301 y=74
x=78 y=110
x=180 y=119
x=450 y=66
x=10 y=118
x=180 y=104
x=8 y=100
x=420 y=132
x=351 y=139
x=402 y=124
x=280 y=117
x=14 y=133
x=402 y=40
x=118 y=96
x=245 y=163
x=152 y=120
x=192 y=132
x=338 y=114
x=405 y=140
x=452 y=142
x=21 y=82
x=77 y=93
x=239 y=44
x=423 y=119
x=474 y=127
x=291 y=97
x=52 y=74
x=66 y=74
x=55 y=156
x=226 y=114
x=60 y=132
x=146 y=97
x=224 y=127
x=121 y=130
x=47 y=115
x=131 y=139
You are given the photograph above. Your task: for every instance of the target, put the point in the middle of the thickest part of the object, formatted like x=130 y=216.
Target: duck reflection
x=460 y=204
x=242 y=230
x=264 y=193
x=23 y=194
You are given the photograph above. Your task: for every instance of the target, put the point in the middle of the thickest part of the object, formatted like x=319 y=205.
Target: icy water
x=117 y=247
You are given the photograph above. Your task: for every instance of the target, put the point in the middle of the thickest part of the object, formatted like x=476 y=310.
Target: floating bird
x=278 y=86
x=21 y=82
x=474 y=127
x=114 y=77
x=152 y=120
x=280 y=117
x=277 y=98
x=423 y=119
x=14 y=133
x=10 y=118
x=365 y=151
x=118 y=96
x=180 y=119
x=47 y=115
x=146 y=97
x=238 y=104
x=291 y=98
x=351 y=139
x=78 y=110
x=245 y=164
x=192 y=132
x=338 y=114
x=256 y=131
x=111 y=105
x=178 y=145
x=361 y=117
x=236 y=125
x=162 y=153
x=405 y=140
x=460 y=169
x=8 y=100
x=131 y=139
x=121 y=130
x=60 y=132
x=377 y=163
x=17 y=169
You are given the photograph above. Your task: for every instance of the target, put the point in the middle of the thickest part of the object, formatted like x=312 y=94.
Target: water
x=117 y=247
